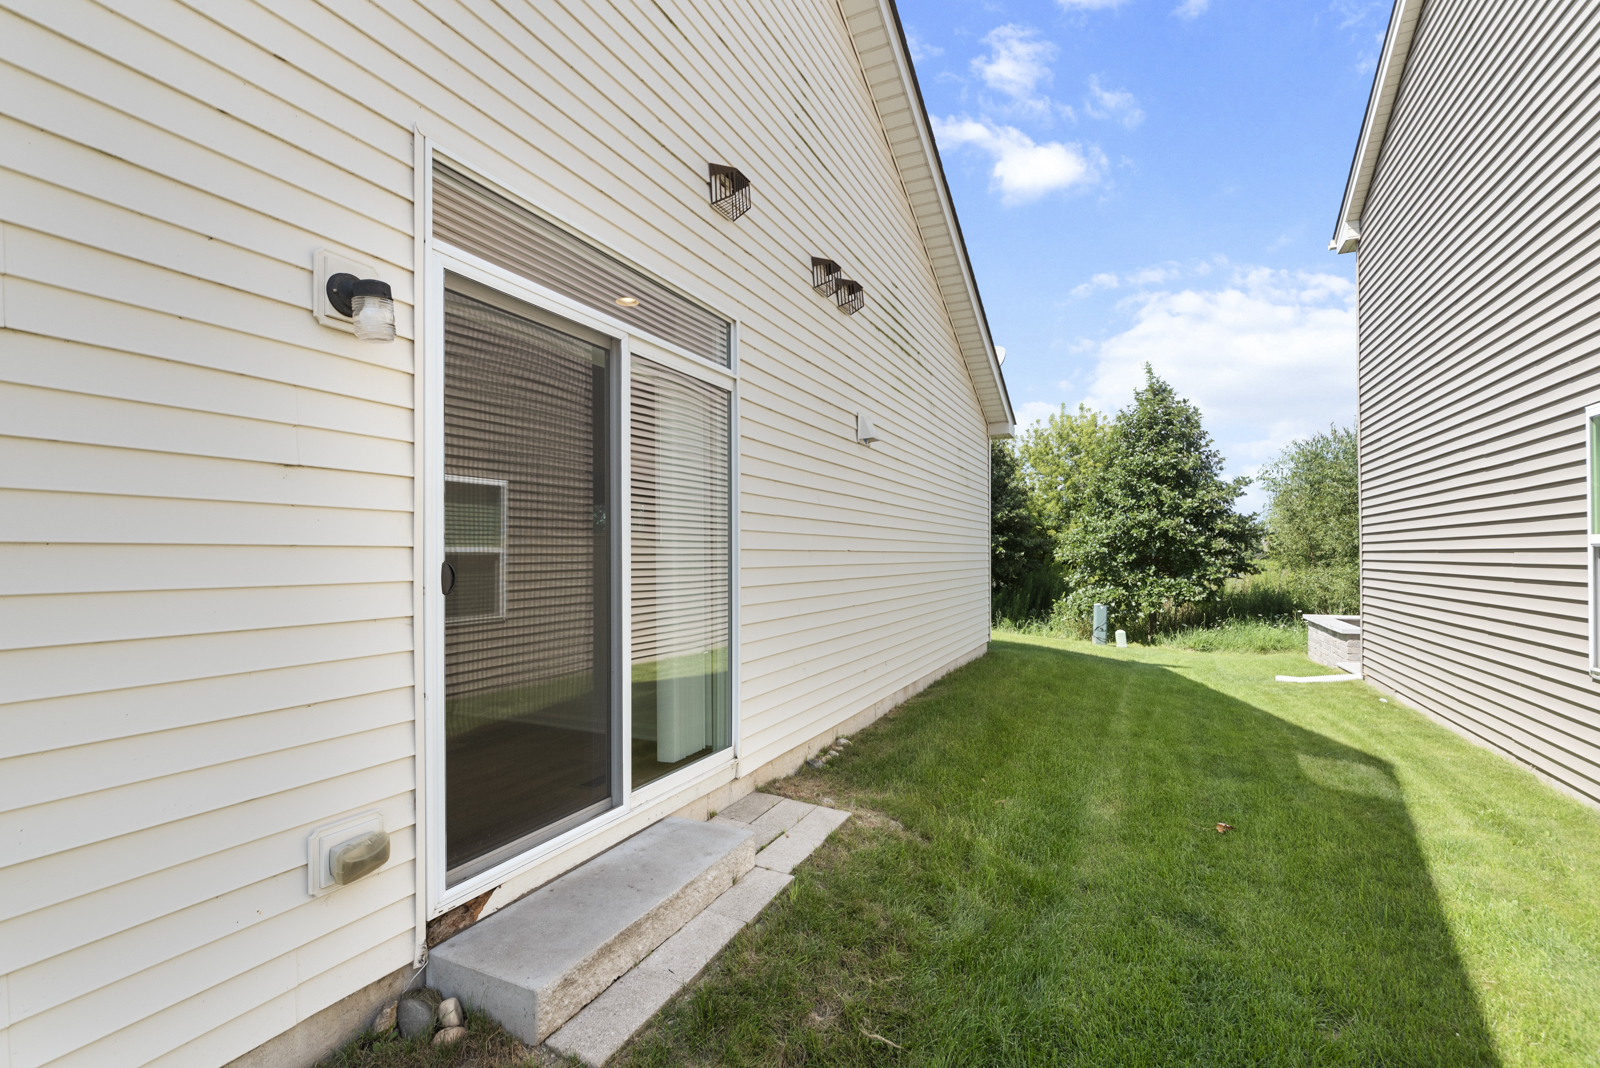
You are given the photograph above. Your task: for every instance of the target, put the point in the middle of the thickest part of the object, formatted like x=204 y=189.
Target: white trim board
x=1375 y=125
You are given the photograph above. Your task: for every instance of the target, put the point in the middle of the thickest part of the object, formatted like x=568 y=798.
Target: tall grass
x=1031 y=599
x=1283 y=635
x=1260 y=612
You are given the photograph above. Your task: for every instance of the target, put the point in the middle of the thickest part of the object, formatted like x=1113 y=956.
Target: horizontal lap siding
x=1479 y=351
x=205 y=497
x=205 y=500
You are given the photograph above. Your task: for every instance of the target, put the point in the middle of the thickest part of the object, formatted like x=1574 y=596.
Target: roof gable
x=880 y=44
x=1380 y=106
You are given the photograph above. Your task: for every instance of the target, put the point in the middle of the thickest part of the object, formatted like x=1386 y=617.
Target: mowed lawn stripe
x=1036 y=878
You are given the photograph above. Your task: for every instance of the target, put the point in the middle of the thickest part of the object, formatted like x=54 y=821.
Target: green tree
x=1158 y=528
x=1061 y=456
x=1313 y=514
x=1017 y=547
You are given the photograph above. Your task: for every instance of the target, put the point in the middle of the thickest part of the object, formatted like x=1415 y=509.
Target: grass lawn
x=1038 y=879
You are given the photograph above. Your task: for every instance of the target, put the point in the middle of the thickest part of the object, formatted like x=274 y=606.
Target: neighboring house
x=621 y=422
x=1474 y=200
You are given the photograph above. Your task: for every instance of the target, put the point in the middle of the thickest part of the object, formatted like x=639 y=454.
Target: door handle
x=447 y=578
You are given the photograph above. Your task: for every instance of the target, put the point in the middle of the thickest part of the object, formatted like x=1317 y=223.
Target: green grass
x=1036 y=878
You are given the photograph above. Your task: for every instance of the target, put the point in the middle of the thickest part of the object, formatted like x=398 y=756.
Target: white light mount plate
x=324 y=840
x=328 y=264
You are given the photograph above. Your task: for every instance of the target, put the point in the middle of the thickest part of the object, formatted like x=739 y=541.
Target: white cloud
x=920 y=49
x=1118 y=104
x=1145 y=276
x=1103 y=280
x=1268 y=358
x=1017 y=61
x=1191 y=9
x=1154 y=276
x=1023 y=170
x=1031 y=412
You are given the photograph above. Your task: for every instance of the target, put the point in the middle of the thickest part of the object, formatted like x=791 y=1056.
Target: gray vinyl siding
x=1479 y=351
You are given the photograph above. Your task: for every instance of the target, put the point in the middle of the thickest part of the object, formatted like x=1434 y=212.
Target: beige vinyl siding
x=206 y=633
x=1478 y=276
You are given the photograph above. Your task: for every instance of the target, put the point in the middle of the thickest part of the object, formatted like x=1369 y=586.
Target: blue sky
x=1157 y=180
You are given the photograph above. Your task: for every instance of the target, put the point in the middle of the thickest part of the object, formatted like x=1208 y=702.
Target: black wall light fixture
x=827 y=279
x=368 y=302
x=730 y=191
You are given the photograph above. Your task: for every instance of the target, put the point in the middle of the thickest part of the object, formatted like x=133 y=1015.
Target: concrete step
x=790 y=831
x=535 y=963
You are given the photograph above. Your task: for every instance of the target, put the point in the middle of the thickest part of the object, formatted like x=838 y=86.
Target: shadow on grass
x=1061 y=894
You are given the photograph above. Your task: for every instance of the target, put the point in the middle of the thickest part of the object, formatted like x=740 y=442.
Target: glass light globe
x=372 y=310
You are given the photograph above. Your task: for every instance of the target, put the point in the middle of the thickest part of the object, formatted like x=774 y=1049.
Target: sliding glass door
x=531 y=716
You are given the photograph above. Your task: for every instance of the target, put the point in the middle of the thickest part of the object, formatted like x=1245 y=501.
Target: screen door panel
x=528 y=703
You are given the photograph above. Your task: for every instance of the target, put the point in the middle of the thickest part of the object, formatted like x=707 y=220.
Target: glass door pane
x=528 y=562
x=682 y=606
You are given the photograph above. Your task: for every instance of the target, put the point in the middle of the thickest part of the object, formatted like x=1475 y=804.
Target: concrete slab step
x=794 y=830
x=535 y=963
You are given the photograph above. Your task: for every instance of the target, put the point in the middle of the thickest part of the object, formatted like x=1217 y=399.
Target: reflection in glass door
x=528 y=578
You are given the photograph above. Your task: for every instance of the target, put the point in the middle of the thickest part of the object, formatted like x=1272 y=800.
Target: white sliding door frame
x=438 y=257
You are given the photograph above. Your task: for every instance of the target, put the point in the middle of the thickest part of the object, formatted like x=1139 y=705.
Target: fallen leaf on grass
x=880 y=1038
x=1224 y=828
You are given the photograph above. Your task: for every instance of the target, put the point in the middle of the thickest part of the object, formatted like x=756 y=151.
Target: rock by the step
x=383 y=1023
x=450 y=1036
x=533 y=964
x=416 y=1017
x=450 y=1014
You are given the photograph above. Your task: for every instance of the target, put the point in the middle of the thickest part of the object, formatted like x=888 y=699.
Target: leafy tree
x=1061 y=456
x=1313 y=517
x=1017 y=547
x=1158 y=529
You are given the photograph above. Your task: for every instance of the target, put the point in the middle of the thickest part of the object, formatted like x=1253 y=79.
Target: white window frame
x=1591 y=415
x=439 y=257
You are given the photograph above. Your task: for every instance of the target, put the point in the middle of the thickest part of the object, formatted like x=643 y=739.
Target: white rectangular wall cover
x=865 y=432
x=328 y=264
x=324 y=840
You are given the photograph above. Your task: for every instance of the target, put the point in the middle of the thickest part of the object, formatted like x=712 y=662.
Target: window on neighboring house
x=1592 y=425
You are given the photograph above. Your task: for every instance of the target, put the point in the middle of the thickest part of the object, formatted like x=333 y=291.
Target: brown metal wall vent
x=730 y=191
x=849 y=295
x=824 y=275
x=827 y=279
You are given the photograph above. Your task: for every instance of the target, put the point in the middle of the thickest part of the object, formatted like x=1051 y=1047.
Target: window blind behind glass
x=479 y=220
x=681 y=568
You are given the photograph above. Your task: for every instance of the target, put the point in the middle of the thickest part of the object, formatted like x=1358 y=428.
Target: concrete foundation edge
x=321 y=1033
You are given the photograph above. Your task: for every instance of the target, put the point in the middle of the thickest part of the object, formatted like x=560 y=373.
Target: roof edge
x=1375 y=124
x=983 y=366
